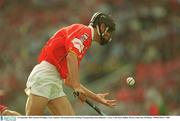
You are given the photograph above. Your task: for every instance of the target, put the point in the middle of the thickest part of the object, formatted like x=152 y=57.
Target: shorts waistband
x=47 y=64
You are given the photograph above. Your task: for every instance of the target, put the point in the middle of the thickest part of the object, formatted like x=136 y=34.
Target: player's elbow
x=68 y=83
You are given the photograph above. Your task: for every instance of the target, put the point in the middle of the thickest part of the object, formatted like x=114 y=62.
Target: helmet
x=99 y=18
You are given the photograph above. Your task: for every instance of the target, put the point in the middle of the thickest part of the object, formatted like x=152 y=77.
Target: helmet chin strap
x=97 y=27
x=105 y=31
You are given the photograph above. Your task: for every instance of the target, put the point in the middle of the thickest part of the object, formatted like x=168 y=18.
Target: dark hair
x=99 y=18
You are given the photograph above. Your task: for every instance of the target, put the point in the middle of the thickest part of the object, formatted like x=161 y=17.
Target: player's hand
x=102 y=99
x=81 y=94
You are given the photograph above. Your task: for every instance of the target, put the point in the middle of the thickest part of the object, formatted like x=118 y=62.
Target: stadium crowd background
x=146 y=46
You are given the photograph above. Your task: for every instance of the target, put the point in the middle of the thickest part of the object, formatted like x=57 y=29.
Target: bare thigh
x=35 y=105
x=60 y=106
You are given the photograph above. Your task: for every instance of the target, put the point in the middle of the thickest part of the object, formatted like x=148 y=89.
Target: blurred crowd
x=147 y=37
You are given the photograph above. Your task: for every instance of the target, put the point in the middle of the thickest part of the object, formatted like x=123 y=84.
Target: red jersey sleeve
x=75 y=45
x=79 y=43
x=2 y=108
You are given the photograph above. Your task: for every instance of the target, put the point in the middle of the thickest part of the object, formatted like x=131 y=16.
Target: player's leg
x=60 y=106
x=35 y=105
x=38 y=90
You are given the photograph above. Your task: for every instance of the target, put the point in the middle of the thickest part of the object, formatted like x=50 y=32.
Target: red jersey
x=2 y=108
x=76 y=38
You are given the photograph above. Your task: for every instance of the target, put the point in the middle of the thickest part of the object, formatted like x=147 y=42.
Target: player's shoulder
x=80 y=28
x=77 y=26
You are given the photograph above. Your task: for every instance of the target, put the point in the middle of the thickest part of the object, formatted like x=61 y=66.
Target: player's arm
x=89 y=93
x=73 y=71
x=73 y=79
x=101 y=98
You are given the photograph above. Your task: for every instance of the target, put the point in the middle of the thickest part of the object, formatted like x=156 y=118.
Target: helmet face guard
x=101 y=18
x=103 y=41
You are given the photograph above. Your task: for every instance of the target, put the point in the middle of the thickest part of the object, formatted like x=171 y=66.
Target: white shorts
x=44 y=80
